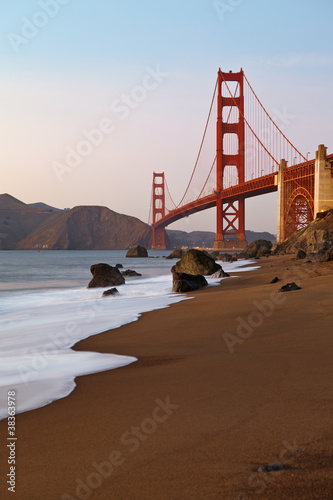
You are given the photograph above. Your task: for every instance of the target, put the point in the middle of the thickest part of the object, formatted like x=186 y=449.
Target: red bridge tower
x=230 y=217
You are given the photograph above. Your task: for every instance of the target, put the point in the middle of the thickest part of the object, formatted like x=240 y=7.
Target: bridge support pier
x=280 y=210
x=323 y=186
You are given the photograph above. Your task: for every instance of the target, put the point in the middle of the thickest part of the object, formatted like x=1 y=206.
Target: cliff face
x=88 y=228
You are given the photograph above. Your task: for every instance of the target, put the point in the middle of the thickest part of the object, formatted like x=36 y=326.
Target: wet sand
x=237 y=377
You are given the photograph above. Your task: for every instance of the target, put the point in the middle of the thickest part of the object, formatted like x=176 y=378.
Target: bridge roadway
x=254 y=187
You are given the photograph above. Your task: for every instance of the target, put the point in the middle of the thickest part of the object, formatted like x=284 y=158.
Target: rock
x=112 y=291
x=312 y=238
x=184 y=282
x=105 y=275
x=300 y=254
x=220 y=274
x=177 y=253
x=137 y=251
x=227 y=257
x=270 y=468
x=214 y=255
x=119 y=266
x=328 y=255
x=258 y=248
x=275 y=280
x=130 y=272
x=196 y=262
x=289 y=287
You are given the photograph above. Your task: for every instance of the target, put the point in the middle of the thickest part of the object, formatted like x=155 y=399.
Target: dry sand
x=191 y=419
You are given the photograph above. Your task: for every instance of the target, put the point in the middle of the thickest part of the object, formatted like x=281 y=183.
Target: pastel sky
x=66 y=63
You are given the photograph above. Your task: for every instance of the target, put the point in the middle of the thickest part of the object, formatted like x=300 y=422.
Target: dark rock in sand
x=105 y=275
x=289 y=287
x=130 y=272
x=137 y=251
x=197 y=262
x=300 y=254
x=184 y=282
x=112 y=291
x=271 y=468
x=275 y=280
x=177 y=253
x=119 y=266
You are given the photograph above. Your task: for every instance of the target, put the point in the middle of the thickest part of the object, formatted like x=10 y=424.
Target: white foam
x=38 y=329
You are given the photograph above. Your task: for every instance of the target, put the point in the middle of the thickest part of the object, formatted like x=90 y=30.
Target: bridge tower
x=158 y=210
x=230 y=218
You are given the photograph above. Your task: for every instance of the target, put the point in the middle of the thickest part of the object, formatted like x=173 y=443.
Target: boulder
x=300 y=254
x=105 y=275
x=258 y=248
x=137 y=251
x=177 y=253
x=196 y=262
x=130 y=272
x=184 y=282
x=119 y=266
x=289 y=287
x=275 y=280
x=111 y=291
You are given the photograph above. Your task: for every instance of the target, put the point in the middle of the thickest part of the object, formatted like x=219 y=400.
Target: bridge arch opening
x=299 y=212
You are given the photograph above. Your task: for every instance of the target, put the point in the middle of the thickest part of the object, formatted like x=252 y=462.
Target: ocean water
x=46 y=308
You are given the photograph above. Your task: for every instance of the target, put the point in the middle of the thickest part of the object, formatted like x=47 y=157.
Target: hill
x=18 y=220
x=88 y=228
x=206 y=239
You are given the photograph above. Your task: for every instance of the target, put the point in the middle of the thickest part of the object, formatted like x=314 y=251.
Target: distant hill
x=40 y=226
x=207 y=238
x=43 y=206
x=18 y=220
x=88 y=228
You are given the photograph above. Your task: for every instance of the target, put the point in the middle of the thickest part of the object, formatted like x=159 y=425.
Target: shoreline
x=190 y=418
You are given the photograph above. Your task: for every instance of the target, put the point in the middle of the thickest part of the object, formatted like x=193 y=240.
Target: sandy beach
x=238 y=377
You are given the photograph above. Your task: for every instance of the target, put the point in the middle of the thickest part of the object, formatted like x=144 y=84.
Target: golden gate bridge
x=250 y=156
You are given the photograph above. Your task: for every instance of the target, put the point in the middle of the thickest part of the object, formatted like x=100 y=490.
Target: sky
x=97 y=94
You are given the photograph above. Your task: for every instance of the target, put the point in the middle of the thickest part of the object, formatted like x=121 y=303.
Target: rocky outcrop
x=177 y=253
x=137 y=251
x=184 y=282
x=258 y=248
x=316 y=239
x=196 y=262
x=105 y=275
